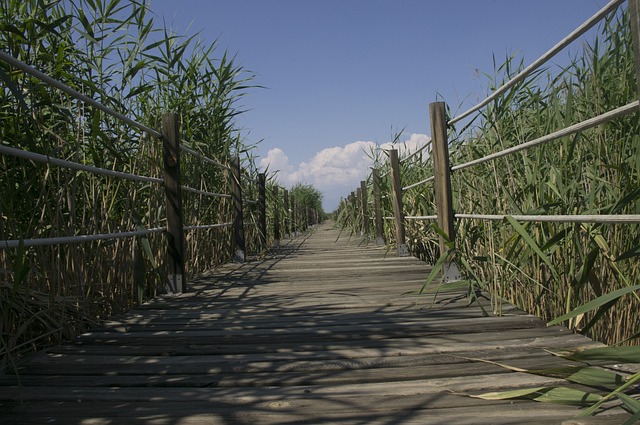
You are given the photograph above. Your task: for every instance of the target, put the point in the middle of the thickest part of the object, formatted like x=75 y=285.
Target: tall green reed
x=114 y=52
x=549 y=268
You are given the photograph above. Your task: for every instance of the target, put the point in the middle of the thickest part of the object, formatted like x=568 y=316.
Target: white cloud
x=415 y=142
x=276 y=160
x=335 y=171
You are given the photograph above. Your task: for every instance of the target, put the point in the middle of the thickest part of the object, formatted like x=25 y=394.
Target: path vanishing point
x=323 y=330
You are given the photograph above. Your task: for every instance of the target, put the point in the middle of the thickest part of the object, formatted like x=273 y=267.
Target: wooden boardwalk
x=320 y=332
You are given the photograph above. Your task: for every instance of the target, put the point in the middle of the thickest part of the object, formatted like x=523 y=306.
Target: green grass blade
x=633 y=252
x=608 y=354
x=591 y=410
x=556 y=395
x=529 y=240
x=631 y=403
x=505 y=395
x=570 y=396
x=633 y=419
x=596 y=303
x=594 y=376
x=437 y=267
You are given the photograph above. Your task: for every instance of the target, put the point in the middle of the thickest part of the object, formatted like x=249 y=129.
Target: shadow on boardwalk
x=319 y=332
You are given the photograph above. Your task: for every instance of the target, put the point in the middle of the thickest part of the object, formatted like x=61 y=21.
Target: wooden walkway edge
x=322 y=331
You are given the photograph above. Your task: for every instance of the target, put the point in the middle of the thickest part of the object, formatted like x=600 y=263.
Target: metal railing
x=440 y=155
x=176 y=281
x=573 y=36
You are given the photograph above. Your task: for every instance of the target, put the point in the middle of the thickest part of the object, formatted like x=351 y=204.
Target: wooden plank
x=408 y=410
x=196 y=375
x=457 y=384
x=299 y=325
x=334 y=331
x=321 y=332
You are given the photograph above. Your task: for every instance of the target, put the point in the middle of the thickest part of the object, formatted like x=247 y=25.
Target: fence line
x=176 y=279
x=601 y=218
x=45 y=159
x=202 y=157
x=207 y=226
x=421 y=217
x=601 y=14
x=75 y=94
x=584 y=125
x=427 y=180
x=205 y=193
x=579 y=218
x=63 y=240
x=439 y=138
x=416 y=152
x=581 y=126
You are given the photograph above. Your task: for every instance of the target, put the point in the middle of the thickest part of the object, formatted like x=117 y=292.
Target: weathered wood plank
x=320 y=332
x=408 y=410
x=178 y=374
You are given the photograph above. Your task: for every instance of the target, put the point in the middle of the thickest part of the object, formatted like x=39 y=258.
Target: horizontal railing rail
x=420 y=183
x=63 y=240
x=170 y=135
x=584 y=218
x=567 y=131
x=205 y=193
x=203 y=157
x=5 y=57
x=443 y=169
x=49 y=160
x=573 y=36
x=576 y=128
x=207 y=226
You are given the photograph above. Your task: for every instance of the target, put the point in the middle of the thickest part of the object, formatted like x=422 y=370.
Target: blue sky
x=342 y=76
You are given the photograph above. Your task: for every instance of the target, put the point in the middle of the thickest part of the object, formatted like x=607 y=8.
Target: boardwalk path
x=319 y=333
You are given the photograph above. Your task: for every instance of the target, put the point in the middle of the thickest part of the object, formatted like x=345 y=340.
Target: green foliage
x=114 y=52
x=548 y=269
x=307 y=196
x=309 y=203
x=583 y=275
x=603 y=385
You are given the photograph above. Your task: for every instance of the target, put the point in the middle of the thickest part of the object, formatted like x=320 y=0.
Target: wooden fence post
x=287 y=214
x=276 y=217
x=398 y=213
x=377 y=207
x=294 y=216
x=177 y=278
x=357 y=207
x=353 y=200
x=365 y=211
x=634 y=15
x=238 y=243
x=262 y=210
x=442 y=170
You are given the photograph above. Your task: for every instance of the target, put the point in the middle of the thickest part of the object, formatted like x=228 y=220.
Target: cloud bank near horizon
x=334 y=171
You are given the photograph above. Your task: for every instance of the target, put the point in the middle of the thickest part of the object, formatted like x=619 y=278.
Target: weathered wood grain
x=323 y=330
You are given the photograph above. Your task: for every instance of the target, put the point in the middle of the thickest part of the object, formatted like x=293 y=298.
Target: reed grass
x=548 y=269
x=115 y=52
